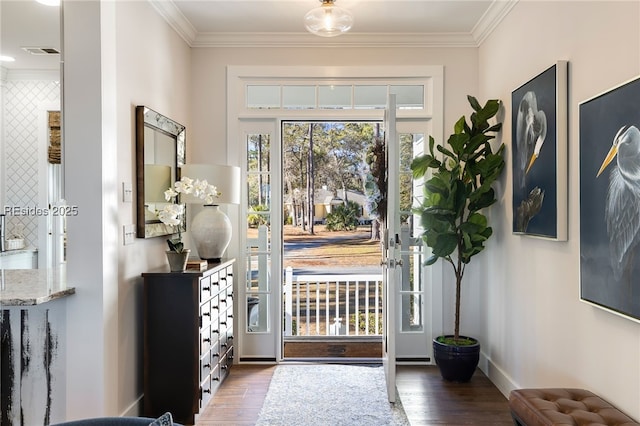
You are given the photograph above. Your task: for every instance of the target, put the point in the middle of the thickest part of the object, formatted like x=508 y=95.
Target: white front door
x=391 y=272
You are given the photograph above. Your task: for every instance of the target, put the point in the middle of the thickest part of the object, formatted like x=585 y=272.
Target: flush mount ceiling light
x=328 y=20
x=49 y=2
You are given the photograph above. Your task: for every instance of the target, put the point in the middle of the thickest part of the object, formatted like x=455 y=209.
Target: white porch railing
x=339 y=305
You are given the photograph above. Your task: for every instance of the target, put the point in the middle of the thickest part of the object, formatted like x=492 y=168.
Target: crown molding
x=489 y=21
x=345 y=40
x=491 y=18
x=174 y=17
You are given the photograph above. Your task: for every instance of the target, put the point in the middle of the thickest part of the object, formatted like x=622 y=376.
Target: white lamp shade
x=157 y=179
x=225 y=178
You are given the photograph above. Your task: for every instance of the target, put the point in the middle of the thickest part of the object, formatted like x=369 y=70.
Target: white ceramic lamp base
x=211 y=233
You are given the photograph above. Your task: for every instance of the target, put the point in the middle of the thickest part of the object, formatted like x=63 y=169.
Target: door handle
x=391 y=263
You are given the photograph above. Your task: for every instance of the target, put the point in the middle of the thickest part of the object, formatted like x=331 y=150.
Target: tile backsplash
x=23 y=101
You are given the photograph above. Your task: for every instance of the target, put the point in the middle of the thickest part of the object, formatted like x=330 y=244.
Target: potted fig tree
x=455 y=194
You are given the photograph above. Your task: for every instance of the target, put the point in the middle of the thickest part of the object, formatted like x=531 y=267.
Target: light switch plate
x=129 y=234
x=127 y=192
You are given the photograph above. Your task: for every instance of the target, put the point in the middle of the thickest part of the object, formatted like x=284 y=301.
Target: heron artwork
x=622 y=206
x=531 y=131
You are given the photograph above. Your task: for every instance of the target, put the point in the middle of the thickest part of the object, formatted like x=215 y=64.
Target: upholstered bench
x=538 y=407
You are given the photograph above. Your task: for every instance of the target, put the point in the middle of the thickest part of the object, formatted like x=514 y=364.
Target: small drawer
x=205 y=366
x=215 y=283
x=224 y=366
x=225 y=343
x=205 y=339
x=205 y=392
x=205 y=289
x=205 y=314
x=223 y=324
x=215 y=352
x=230 y=321
x=215 y=376
x=215 y=306
x=215 y=331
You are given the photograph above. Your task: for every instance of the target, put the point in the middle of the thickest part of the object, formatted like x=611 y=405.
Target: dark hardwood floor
x=426 y=398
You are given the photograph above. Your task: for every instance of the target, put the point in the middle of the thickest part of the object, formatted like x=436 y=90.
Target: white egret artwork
x=610 y=200
x=539 y=155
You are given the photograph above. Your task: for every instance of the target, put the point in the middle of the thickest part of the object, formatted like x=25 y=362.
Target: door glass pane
x=407 y=143
x=258 y=149
x=334 y=97
x=299 y=97
x=258 y=192
x=408 y=97
x=257 y=309
x=370 y=97
x=263 y=97
x=412 y=312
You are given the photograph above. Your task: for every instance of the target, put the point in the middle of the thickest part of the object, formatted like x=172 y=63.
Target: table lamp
x=211 y=229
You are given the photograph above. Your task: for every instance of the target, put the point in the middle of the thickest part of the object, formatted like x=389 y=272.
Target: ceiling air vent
x=41 y=50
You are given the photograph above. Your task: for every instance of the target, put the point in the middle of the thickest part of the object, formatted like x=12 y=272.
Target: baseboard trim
x=497 y=375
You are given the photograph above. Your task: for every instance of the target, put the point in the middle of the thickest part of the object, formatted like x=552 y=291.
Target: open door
x=391 y=239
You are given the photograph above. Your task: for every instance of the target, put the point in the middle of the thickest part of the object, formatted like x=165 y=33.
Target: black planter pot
x=456 y=363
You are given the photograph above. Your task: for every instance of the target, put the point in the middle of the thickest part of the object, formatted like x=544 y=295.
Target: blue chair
x=111 y=421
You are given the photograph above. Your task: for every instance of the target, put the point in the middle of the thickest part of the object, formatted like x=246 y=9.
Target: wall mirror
x=160 y=152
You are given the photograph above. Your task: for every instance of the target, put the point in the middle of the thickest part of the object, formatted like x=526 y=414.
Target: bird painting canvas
x=539 y=154
x=610 y=199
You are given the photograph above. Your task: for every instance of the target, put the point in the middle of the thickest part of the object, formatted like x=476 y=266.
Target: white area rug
x=329 y=395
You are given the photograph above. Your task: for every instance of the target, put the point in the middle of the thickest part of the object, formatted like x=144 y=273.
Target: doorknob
x=391 y=263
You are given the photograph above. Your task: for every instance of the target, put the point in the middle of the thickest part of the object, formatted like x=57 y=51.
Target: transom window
x=339 y=96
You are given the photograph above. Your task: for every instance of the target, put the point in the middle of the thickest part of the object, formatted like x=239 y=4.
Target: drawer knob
x=206 y=288
x=206 y=339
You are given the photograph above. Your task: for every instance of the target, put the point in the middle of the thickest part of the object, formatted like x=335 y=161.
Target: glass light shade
x=328 y=20
x=225 y=178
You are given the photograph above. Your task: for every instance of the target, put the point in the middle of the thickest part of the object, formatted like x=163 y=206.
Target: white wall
x=536 y=332
x=108 y=73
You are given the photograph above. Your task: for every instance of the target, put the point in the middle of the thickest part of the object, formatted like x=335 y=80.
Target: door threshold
x=329 y=360
x=340 y=348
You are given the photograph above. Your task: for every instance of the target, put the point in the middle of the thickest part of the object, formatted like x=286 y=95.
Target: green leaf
x=420 y=165
x=494 y=128
x=445 y=244
x=437 y=185
x=474 y=103
x=431 y=260
x=458 y=143
x=459 y=127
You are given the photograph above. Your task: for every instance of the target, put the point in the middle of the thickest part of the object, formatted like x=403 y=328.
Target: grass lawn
x=337 y=249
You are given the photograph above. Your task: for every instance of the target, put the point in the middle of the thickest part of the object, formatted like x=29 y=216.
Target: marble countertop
x=19 y=251
x=25 y=287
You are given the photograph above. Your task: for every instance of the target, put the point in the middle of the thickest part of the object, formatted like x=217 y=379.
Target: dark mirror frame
x=148 y=118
